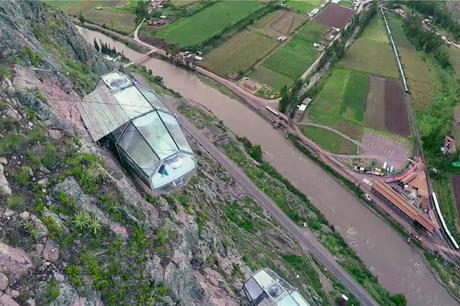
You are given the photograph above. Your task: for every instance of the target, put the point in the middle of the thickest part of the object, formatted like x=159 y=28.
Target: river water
x=397 y=265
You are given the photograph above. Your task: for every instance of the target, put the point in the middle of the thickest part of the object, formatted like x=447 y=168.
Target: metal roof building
x=266 y=288
x=147 y=136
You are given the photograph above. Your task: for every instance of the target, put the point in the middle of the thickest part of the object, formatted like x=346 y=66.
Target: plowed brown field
x=396 y=120
x=335 y=16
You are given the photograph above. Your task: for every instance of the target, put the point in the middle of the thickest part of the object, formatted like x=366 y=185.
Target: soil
x=335 y=16
x=456 y=187
x=396 y=120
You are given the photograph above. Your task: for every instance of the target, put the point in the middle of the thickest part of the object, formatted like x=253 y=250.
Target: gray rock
x=154 y=270
x=4 y=186
x=3 y=160
x=6 y=300
x=44 y=170
x=3 y=281
x=51 y=251
x=43 y=182
x=31 y=302
x=14 y=261
x=36 y=222
x=28 y=99
x=67 y=295
x=14 y=293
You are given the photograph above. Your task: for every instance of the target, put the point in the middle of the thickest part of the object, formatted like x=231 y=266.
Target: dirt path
x=334 y=131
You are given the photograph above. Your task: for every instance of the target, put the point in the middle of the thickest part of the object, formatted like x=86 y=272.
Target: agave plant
x=81 y=220
x=94 y=224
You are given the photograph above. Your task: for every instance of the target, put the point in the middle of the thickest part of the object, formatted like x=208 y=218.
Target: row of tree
x=105 y=48
x=425 y=39
x=440 y=12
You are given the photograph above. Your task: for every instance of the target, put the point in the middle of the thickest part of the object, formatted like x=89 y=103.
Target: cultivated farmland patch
x=372 y=52
x=118 y=21
x=420 y=78
x=279 y=23
x=375 y=109
x=80 y=6
x=294 y=57
x=335 y=16
x=396 y=119
x=354 y=99
x=211 y=21
x=329 y=140
x=238 y=53
x=271 y=78
x=327 y=107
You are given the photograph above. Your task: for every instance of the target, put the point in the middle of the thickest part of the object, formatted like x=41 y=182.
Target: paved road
x=303 y=236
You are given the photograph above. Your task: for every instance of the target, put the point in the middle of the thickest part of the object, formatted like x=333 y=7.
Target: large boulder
x=14 y=262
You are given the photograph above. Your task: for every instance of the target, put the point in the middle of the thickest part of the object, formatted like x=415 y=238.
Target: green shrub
x=74 y=274
x=23 y=177
x=68 y=204
x=16 y=202
x=11 y=143
x=53 y=290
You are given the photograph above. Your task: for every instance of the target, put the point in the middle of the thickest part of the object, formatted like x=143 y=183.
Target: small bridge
x=141 y=59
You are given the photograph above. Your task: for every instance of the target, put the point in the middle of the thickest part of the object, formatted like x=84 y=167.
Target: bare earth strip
x=375 y=110
x=396 y=120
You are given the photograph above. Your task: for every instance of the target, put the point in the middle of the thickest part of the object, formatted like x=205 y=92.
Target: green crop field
x=271 y=78
x=341 y=102
x=117 y=15
x=205 y=24
x=420 y=77
x=454 y=55
x=238 y=53
x=329 y=141
x=74 y=7
x=354 y=98
x=182 y=3
x=118 y=21
x=294 y=57
x=303 y=6
x=372 y=52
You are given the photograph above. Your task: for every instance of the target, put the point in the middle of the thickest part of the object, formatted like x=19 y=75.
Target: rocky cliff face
x=75 y=228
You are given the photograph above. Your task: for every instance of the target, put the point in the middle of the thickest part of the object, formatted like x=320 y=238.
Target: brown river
x=397 y=265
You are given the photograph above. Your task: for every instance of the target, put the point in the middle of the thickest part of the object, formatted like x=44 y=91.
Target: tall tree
x=96 y=45
x=284 y=102
x=142 y=10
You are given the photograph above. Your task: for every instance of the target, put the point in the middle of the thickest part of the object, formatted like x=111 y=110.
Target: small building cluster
x=147 y=136
x=409 y=193
x=449 y=146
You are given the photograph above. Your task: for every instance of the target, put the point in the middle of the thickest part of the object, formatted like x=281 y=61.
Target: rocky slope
x=75 y=229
